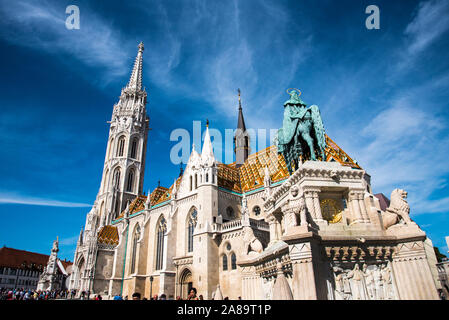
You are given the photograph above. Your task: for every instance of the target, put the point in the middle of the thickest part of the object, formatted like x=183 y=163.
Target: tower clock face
x=331 y=210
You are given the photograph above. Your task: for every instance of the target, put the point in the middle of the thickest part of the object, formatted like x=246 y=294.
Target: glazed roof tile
x=108 y=235
x=249 y=176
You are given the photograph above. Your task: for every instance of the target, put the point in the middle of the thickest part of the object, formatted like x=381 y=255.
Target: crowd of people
x=29 y=294
x=192 y=296
x=33 y=294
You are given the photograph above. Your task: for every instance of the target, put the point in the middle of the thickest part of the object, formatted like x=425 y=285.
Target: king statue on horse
x=302 y=136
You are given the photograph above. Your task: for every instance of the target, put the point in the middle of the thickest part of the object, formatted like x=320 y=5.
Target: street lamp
x=151 y=287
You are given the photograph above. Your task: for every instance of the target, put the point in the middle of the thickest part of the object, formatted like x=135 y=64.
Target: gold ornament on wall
x=331 y=211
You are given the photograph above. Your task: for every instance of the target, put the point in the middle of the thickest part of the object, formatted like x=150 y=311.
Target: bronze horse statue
x=302 y=136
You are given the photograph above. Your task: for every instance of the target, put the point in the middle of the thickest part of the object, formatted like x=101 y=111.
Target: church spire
x=207 y=154
x=241 y=138
x=241 y=120
x=135 y=81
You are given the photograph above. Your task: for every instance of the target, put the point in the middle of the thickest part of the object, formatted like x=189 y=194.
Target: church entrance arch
x=79 y=273
x=186 y=283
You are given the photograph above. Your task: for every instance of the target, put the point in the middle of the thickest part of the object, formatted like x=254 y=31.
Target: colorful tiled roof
x=138 y=204
x=14 y=258
x=158 y=194
x=251 y=174
x=108 y=235
x=333 y=151
x=162 y=194
x=228 y=177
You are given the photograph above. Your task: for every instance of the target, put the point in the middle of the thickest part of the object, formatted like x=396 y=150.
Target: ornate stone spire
x=241 y=120
x=241 y=138
x=207 y=154
x=80 y=238
x=135 y=81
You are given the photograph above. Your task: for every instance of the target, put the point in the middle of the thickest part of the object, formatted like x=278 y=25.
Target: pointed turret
x=241 y=120
x=207 y=154
x=241 y=138
x=135 y=81
x=80 y=238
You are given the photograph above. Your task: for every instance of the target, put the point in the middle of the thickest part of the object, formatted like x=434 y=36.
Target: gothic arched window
x=196 y=181
x=207 y=177
x=136 y=237
x=161 y=229
x=190 y=183
x=117 y=207
x=233 y=261
x=120 y=147
x=129 y=185
x=134 y=148
x=225 y=262
x=191 y=224
x=117 y=178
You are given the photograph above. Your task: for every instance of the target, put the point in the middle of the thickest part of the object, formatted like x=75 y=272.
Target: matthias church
x=263 y=227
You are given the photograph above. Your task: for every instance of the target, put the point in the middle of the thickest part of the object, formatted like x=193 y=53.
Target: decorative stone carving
x=294 y=191
x=252 y=245
x=398 y=210
x=372 y=282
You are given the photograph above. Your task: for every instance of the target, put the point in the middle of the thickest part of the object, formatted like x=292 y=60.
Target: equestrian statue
x=302 y=136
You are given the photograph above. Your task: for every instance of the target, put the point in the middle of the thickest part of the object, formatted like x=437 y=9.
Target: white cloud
x=430 y=22
x=41 y=26
x=69 y=241
x=406 y=146
x=10 y=198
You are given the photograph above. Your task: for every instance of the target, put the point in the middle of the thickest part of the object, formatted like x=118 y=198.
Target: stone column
x=362 y=206
x=308 y=194
x=289 y=212
x=355 y=205
x=303 y=278
x=316 y=202
x=413 y=276
x=274 y=229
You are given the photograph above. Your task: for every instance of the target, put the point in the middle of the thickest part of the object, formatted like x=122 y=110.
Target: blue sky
x=383 y=94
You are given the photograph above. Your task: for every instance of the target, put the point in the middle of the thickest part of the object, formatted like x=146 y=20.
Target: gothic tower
x=124 y=163
x=241 y=138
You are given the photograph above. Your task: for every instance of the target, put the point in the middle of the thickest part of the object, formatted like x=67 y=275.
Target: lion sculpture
x=398 y=209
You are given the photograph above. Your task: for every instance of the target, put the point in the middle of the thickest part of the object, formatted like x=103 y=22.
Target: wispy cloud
x=405 y=146
x=9 y=198
x=40 y=25
x=69 y=241
x=233 y=49
x=430 y=22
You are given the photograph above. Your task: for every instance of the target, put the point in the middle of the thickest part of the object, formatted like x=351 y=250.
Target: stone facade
x=250 y=230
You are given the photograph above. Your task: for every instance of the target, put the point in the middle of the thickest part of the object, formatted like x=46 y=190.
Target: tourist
x=192 y=295
x=136 y=296
x=163 y=297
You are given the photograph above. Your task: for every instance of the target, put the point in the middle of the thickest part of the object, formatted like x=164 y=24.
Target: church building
x=262 y=227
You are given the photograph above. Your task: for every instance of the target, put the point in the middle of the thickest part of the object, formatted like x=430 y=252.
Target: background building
x=22 y=269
